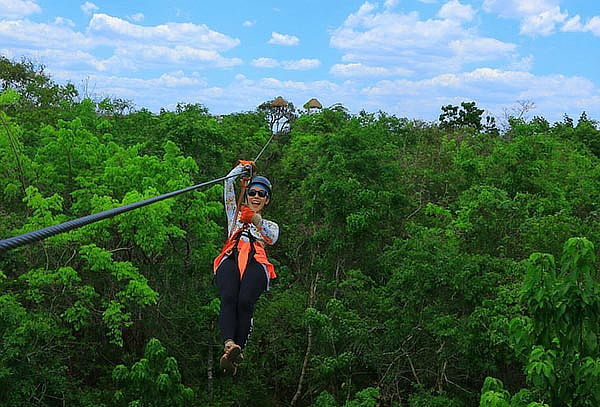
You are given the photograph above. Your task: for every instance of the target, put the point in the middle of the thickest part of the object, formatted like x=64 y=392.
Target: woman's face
x=257 y=198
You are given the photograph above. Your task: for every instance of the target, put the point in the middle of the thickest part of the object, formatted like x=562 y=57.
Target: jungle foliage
x=416 y=260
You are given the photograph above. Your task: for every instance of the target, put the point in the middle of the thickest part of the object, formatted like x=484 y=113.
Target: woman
x=242 y=271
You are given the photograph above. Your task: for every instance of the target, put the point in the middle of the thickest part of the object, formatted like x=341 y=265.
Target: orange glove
x=246 y=214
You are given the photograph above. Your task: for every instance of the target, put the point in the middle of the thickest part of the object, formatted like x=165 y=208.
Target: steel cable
x=37 y=235
x=41 y=234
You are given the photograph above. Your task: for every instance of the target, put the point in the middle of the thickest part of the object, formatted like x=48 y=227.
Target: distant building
x=313 y=104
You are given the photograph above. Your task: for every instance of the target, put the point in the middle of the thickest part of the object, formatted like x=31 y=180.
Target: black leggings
x=238 y=297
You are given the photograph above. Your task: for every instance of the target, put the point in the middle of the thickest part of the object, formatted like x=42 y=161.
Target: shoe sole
x=227 y=361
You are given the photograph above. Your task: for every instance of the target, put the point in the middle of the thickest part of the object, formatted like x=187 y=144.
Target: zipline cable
x=264 y=148
x=41 y=234
x=34 y=236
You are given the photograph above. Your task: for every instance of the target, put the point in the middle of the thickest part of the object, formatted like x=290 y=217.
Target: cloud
x=283 y=39
x=389 y=40
x=543 y=23
x=574 y=24
x=142 y=56
x=538 y=17
x=18 y=8
x=137 y=17
x=480 y=49
x=594 y=25
x=88 y=8
x=357 y=70
x=249 y=23
x=303 y=64
x=391 y=3
x=522 y=64
x=492 y=89
x=519 y=8
x=25 y=33
x=64 y=21
x=113 y=29
x=454 y=10
x=134 y=47
x=265 y=62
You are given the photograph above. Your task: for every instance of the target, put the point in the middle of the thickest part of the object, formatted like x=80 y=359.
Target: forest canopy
x=447 y=263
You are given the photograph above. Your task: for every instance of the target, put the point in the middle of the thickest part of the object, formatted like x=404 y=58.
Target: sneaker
x=232 y=354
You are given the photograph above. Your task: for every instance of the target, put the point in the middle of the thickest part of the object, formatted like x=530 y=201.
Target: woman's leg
x=228 y=283
x=253 y=283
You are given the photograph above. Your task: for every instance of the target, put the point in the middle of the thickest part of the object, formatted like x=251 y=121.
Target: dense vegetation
x=420 y=264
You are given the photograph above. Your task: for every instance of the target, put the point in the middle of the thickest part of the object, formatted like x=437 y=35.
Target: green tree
x=558 y=336
x=153 y=381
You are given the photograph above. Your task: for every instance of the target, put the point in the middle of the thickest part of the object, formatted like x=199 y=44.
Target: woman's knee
x=228 y=299
x=246 y=303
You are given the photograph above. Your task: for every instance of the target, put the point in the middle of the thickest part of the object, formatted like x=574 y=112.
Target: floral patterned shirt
x=267 y=231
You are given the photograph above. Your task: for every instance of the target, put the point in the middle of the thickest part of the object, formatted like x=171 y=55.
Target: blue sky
x=405 y=57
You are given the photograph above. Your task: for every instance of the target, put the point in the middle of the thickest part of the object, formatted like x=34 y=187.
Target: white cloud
x=519 y=8
x=283 y=39
x=134 y=47
x=391 y=3
x=25 y=33
x=265 y=62
x=357 y=70
x=249 y=23
x=177 y=79
x=88 y=8
x=137 y=17
x=114 y=29
x=75 y=61
x=574 y=24
x=493 y=90
x=543 y=23
x=64 y=21
x=522 y=64
x=454 y=10
x=18 y=8
x=480 y=49
x=594 y=25
x=389 y=40
x=132 y=56
x=303 y=64
x=538 y=17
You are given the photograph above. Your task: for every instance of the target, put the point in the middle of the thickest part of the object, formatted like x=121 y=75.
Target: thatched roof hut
x=279 y=102
x=313 y=104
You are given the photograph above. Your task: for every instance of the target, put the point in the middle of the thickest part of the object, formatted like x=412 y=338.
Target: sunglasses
x=260 y=192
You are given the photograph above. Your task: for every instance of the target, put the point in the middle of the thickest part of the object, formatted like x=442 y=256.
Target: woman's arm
x=229 y=197
x=268 y=230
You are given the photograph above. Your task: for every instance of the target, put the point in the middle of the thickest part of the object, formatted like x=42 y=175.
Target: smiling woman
x=242 y=270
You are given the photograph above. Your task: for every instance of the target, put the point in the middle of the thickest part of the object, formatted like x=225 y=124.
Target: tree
x=468 y=115
x=558 y=337
x=153 y=381
x=279 y=114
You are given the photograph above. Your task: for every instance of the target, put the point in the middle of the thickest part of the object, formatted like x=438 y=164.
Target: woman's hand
x=256 y=219
x=248 y=165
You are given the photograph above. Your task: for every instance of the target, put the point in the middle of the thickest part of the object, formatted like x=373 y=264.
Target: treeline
x=420 y=264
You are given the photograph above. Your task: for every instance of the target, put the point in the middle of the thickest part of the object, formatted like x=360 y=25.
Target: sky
x=403 y=57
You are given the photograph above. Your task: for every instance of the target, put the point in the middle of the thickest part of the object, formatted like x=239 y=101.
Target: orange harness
x=243 y=252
